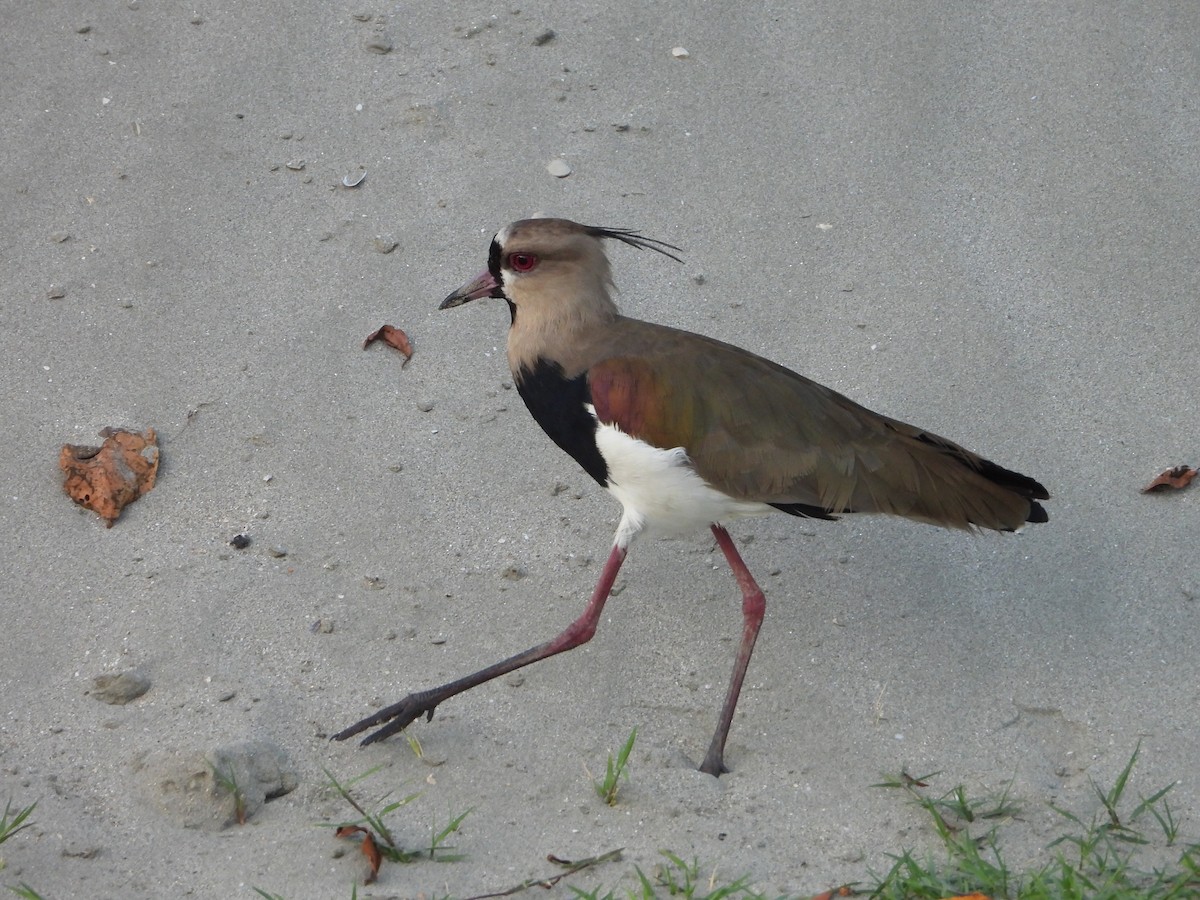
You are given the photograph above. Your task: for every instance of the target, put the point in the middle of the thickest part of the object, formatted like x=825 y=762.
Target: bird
x=688 y=432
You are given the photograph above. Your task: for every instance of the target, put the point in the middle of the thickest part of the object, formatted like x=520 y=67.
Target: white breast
x=660 y=491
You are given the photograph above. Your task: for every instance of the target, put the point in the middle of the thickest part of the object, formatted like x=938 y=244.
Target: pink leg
x=754 y=605
x=400 y=715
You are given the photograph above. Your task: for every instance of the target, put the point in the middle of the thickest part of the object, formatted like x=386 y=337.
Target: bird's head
x=551 y=268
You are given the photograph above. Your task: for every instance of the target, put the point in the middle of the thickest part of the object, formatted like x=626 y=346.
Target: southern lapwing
x=687 y=432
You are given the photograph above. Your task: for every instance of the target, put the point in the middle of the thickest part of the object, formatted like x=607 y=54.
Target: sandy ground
x=978 y=217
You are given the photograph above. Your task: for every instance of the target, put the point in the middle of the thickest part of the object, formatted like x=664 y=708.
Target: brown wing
x=761 y=432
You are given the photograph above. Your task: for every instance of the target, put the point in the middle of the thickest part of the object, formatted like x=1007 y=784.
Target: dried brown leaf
x=1177 y=477
x=394 y=338
x=369 y=848
x=374 y=857
x=107 y=478
x=844 y=891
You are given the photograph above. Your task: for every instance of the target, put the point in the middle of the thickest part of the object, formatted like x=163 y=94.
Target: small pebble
x=321 y=626
x=680 y=52
x=353 y=181
x=56 y=292
x=544 y=38
x=240 y=541
x=278 y=552
x=381 y=44
x=120 y=689
x=296 y=165
x=558 y=168
x=59 y=237
x=425 y=406
x=384 y=244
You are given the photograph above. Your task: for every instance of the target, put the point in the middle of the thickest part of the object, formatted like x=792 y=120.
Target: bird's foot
x=714 y=763
x=398 y=716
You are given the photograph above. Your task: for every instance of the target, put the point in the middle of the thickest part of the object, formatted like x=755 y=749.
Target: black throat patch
x=557 y=403
x=494 y=253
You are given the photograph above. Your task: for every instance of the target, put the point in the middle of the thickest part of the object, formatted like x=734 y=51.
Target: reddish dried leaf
x=393 y=337
x=105 y=479
x=844 y=891
x=912 y=782
x=369 y=848
x=975 y=896
x=1177 y=477
x=374 y=857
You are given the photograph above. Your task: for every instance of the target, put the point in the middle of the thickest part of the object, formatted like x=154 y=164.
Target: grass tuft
x=608 y=787
x=1097 y=859
x=13 y=821
x=675 y=878
x=226 y=778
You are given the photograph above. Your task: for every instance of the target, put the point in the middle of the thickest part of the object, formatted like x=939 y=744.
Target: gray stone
x=120 y=689
x=214 y=790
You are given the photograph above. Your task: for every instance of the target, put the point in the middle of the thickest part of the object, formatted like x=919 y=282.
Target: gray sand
x=981 y=218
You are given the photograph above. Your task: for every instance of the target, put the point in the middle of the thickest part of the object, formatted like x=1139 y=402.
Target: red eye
x=522 y=262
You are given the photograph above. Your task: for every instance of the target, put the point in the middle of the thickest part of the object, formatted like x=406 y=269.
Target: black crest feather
x=634 y=239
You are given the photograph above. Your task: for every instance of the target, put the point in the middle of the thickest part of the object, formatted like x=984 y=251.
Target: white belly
x=660 y=491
